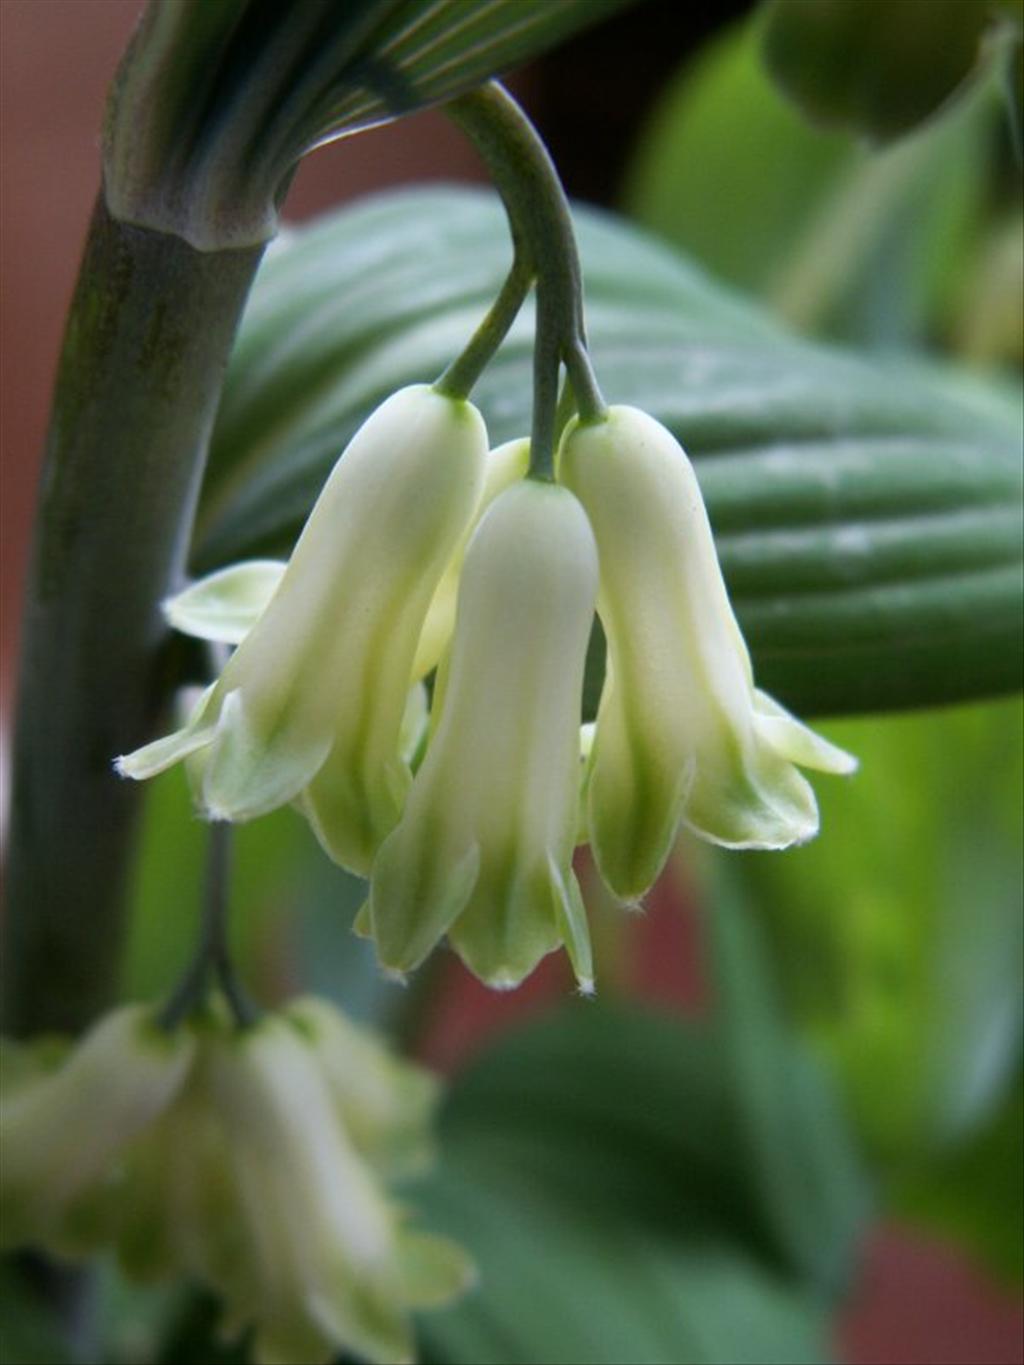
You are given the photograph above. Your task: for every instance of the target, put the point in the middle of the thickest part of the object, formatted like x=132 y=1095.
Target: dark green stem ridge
x=542 y=229
x=212 y=955
x=148 y=337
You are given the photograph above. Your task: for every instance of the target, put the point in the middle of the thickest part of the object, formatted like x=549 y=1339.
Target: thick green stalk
x=147 y=341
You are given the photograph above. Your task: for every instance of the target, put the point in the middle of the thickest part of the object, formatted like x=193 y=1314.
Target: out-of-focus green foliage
x=653 y=1189
x=29 y=1334
x=898 y=934
x=562 y=1288
x=975 y=1195
x=876 y=66
x=872 y=247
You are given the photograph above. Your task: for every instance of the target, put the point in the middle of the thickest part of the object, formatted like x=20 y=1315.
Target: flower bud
x=682 y=732
x=312 y=700
x=63 y=1131
x=483 y=851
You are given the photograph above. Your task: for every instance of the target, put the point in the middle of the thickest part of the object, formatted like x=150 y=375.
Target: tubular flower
x=64 y=1129
x=326 y=1263
x=311 y=702
x=682 y=732
x=506 y=465
x=484 y=848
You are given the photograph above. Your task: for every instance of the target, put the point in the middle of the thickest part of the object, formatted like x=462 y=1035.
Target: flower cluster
x=251 y=1160
x=424 y=550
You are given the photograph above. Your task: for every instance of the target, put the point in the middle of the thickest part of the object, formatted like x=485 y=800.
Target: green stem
x=462 y=374
x=212 y=954
x=147 y=341
x=542 y=228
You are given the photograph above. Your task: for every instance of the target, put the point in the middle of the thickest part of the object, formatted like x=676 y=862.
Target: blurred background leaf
x=838 y=239
x=897 y=941
x=874 y=66
x=29 y=1330
x=605 y=1293
x=675 y=1217
x=898 y=933
x=974 y=1196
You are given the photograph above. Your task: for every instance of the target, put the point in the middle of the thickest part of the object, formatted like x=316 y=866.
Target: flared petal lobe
x=682 y=734
x=312 y=699
x=483 y=851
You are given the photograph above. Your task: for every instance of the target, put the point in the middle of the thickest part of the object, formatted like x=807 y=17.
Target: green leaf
x=837 y=238
x=30 y=1333
x=567 y=1290
x=899 y=932
x=876 y=67
x=975 y=1195
x=787 y=1118
x=592 y=1163
x=868 y=515
x=634 y=1116
x=215 y=103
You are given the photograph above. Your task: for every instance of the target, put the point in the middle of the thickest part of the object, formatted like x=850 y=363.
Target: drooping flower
x=310 y=704
x=484 y=848
x=682 y=732
x=251 y=1161
x=64 y=1127
x=323 y=1260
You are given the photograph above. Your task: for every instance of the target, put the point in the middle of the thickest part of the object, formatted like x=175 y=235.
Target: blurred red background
x=918 y=1303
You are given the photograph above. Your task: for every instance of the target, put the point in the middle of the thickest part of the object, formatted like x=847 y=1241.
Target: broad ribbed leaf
x=868 y=514
x=215 y=102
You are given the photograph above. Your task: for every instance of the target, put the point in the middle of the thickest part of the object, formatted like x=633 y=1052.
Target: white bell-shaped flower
x=325 y=1263
x=311 y=702
x=682 y=732
x=483 y=852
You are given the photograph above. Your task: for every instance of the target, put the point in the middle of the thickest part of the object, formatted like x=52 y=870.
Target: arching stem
x=543 y=232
